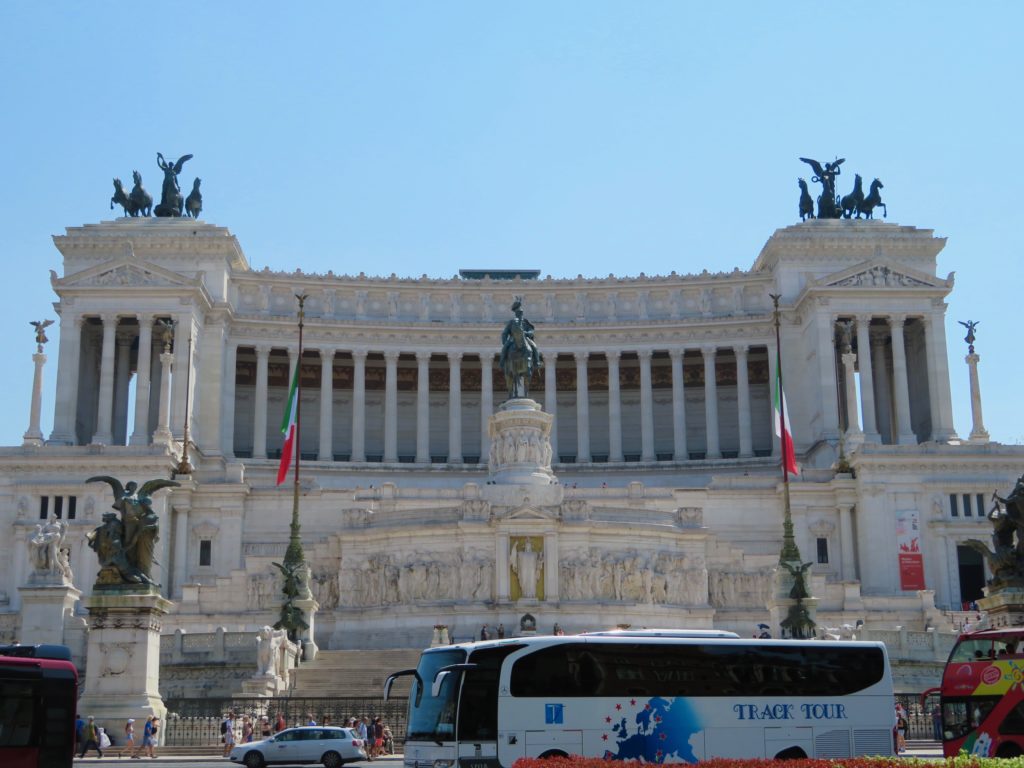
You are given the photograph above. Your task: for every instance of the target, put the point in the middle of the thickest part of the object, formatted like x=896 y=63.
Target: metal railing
x=196 y=722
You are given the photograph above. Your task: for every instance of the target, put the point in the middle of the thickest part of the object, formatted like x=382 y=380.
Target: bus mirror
x=391 y=680
x=442 y=673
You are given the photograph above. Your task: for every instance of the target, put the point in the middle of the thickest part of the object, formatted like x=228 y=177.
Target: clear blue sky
x=574 y=137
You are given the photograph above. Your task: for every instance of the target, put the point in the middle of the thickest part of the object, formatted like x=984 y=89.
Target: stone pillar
x=743 y=400
x=123 y=656
x=34 y=435
x=827 y=384
x=122 y=376
x=162 y=433
x=849 y=569
x=486 y=403
x=614 y=408
x=582 y=409
x=867 y=386
x=551 y=400
x=978 y=432
x=45 y=609
x=326 y=452
x=391 y=406
x=422 y=407
x=711 y=402
x=66 y=408
x=181 y=547
x=882 y=390
x=854 y=434
x=905 y=433
x=773 y=383
x=184 y=332
x=454 y=407
x=646 y=407
x=259 y=420
x=938 y=369
x=105 y=411
x=140 y=434
x=679 y=449
x=358 y=405
x=227 y=410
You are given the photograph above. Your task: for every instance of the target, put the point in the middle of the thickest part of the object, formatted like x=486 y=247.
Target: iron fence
x=919 y=720
x=196 y=722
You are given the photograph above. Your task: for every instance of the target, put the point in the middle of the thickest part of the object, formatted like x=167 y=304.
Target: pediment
x=527 y=512
x=121 y=273
x=882 y=274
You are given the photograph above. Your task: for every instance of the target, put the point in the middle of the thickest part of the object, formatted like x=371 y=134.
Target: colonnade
x=482 y=365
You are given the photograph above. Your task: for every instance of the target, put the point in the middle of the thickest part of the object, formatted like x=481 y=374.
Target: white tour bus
x=656 y=695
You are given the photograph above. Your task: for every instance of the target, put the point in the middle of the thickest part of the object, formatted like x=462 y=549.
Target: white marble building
x=668 y=510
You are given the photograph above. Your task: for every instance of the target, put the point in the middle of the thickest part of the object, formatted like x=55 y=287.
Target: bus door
x=477 y=727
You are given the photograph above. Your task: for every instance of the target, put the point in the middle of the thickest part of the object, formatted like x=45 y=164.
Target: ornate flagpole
x=790 y=552
x=296 y=588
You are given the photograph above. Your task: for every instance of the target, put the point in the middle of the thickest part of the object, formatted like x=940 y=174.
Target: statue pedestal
x=1004 y=607
x=309 y=607
x=123 y=656
x=45 y=609
x=264 y=686
x=520 y=435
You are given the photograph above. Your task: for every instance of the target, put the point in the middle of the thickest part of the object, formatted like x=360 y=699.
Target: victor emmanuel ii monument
x=627 y=475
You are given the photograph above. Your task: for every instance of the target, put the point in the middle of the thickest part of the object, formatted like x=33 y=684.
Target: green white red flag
x=289 y=428
x=782 y=428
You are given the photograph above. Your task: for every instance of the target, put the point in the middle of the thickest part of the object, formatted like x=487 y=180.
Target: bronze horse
x=851 y=203
x=142 y=201
x=873 y=200
x=806 y=201
x=122 y=199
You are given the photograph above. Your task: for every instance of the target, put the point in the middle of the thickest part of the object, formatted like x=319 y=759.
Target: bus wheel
x=793 y=753
x=553 y=753
x=1008 y=750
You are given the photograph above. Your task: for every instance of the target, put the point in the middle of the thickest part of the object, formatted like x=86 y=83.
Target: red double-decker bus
x=982 y=694
x=38 y=694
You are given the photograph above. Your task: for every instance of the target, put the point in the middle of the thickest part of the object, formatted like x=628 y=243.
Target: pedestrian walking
x=91 y=738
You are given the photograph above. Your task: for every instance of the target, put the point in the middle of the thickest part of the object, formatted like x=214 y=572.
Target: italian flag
x=289 y=428
x=783 y=430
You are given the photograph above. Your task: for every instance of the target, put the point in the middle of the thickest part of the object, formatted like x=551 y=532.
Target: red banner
x=908 y=544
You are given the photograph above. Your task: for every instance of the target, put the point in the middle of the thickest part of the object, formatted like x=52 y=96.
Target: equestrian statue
x=520 y=356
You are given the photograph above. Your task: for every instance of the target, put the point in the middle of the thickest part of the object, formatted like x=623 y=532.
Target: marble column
x=358 y=405
x=905 y=433
x=978 y=432
x=743 y=400
x=259 y=421
x=122 y=377
x=646 y=407
x=582 y=408
x=105 y=411
x=391 y=406
x=938 y=369
x=711 y=402
x=140 y=434
x=422 y=407
x=849 y=569
x=882 y=388
x=34 y=435
x=454 y=407
x=184 y=331
x=679 y=450
x=486 y=403
x=68 y=360
x=551 y=400
x=181 y=548
x=867 y=386
x=614 y=408
x=773 y=383
x=162 y=433
x=227 y=411
x=326 y=452
x=854 y=434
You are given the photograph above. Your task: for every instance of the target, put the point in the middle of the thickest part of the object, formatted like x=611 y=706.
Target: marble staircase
x=354 y=673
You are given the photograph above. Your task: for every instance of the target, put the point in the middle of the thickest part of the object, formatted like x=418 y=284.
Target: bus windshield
x=432 y=718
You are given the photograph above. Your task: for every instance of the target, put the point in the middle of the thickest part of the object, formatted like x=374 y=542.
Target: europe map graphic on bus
x=661 y=730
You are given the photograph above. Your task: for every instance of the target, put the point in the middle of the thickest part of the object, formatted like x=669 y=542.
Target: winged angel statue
x=171 y=201
x=126 y=542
